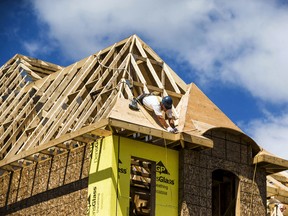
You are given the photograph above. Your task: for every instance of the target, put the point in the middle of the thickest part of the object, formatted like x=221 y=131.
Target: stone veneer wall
x=229 y=153
x=56 y=186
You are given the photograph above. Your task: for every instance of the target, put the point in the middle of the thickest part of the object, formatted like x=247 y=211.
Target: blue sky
x=235 y=51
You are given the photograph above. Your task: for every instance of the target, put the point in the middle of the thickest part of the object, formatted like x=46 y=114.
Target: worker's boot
x=133 y=105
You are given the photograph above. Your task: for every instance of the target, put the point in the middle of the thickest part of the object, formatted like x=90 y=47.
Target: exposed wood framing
x=46 y=108
x=277 y=187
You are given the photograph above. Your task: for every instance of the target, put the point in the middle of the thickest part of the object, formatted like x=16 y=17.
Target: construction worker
x=156 y=105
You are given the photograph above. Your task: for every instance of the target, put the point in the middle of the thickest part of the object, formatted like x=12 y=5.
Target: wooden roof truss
x=42 y=103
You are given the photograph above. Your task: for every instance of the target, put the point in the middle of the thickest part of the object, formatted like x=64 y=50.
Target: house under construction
x=71 y=146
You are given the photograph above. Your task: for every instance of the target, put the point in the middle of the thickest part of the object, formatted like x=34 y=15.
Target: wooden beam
x=282 y=190
x=281 y=177
x=94 y=127
x=186 y=138
x=139 y=74
x=276 y=164
x=155 y=62
x=143 y=129
x=198 y=140
x=154 y=88
x=170 y=77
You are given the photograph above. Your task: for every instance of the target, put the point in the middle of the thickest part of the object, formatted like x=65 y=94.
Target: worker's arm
x=170 y=128
x=162 y=121
x=171 y=122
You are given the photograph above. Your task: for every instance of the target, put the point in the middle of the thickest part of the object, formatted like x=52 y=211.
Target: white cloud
x=31 y=47
x=37 y=47
x=271 y=134
x=240 y=42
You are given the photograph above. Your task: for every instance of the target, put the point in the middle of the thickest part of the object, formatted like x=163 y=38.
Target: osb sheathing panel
x=4 y=184
x=196 y=170
x=56 y=186
x=42 y=175
x=201 y=109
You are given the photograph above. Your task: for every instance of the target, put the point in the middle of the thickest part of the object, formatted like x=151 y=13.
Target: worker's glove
x=175 y=130
x=170 y=129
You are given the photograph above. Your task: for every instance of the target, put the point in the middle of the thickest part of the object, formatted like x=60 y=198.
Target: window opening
x=224 y=193
x=142 y=187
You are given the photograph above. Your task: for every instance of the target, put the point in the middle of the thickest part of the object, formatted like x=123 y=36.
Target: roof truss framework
x=42 y=102
x=46 y=109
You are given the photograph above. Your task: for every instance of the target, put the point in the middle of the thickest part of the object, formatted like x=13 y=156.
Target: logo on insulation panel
x=160 y=168
x=121 y=170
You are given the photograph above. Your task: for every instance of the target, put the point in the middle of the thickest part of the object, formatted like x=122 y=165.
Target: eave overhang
x=272 y=164
x=103 y=128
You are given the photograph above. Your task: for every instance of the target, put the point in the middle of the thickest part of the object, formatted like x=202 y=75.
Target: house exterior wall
x=55 y=186
x=229 y=153
x=109 y=190
x=59 y=186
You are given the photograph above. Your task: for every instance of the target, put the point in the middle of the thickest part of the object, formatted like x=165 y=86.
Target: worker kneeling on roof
x=157 y=105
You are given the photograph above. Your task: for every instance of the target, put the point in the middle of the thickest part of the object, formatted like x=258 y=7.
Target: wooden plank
x=139 y=74
x=85 y=115
x=18 y=111
x=106 y=103
x=281 y=177
x=169 y=76
x=143 y=129
x=276 y=164
x=6 y=107
x=149 y=50
x=139 y=173
x=50 y=98
x=282 y=189
x=198 y=140
x=101 y=132
x=14 y=93
x=41 y=91
x=154 y=88
x=87 y=101
x=177 y=79
x=153 y=72
x=94 y=127
x=39 y=63
x=107 y=106
x=23 y=123
x=16 y=117
x=9 y=75
x=57 y=107
x=145 y=59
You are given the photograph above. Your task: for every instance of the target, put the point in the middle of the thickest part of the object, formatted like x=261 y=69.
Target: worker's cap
x=167 y=102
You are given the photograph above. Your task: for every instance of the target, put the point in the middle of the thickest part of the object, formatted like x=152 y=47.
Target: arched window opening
x=224 y=193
